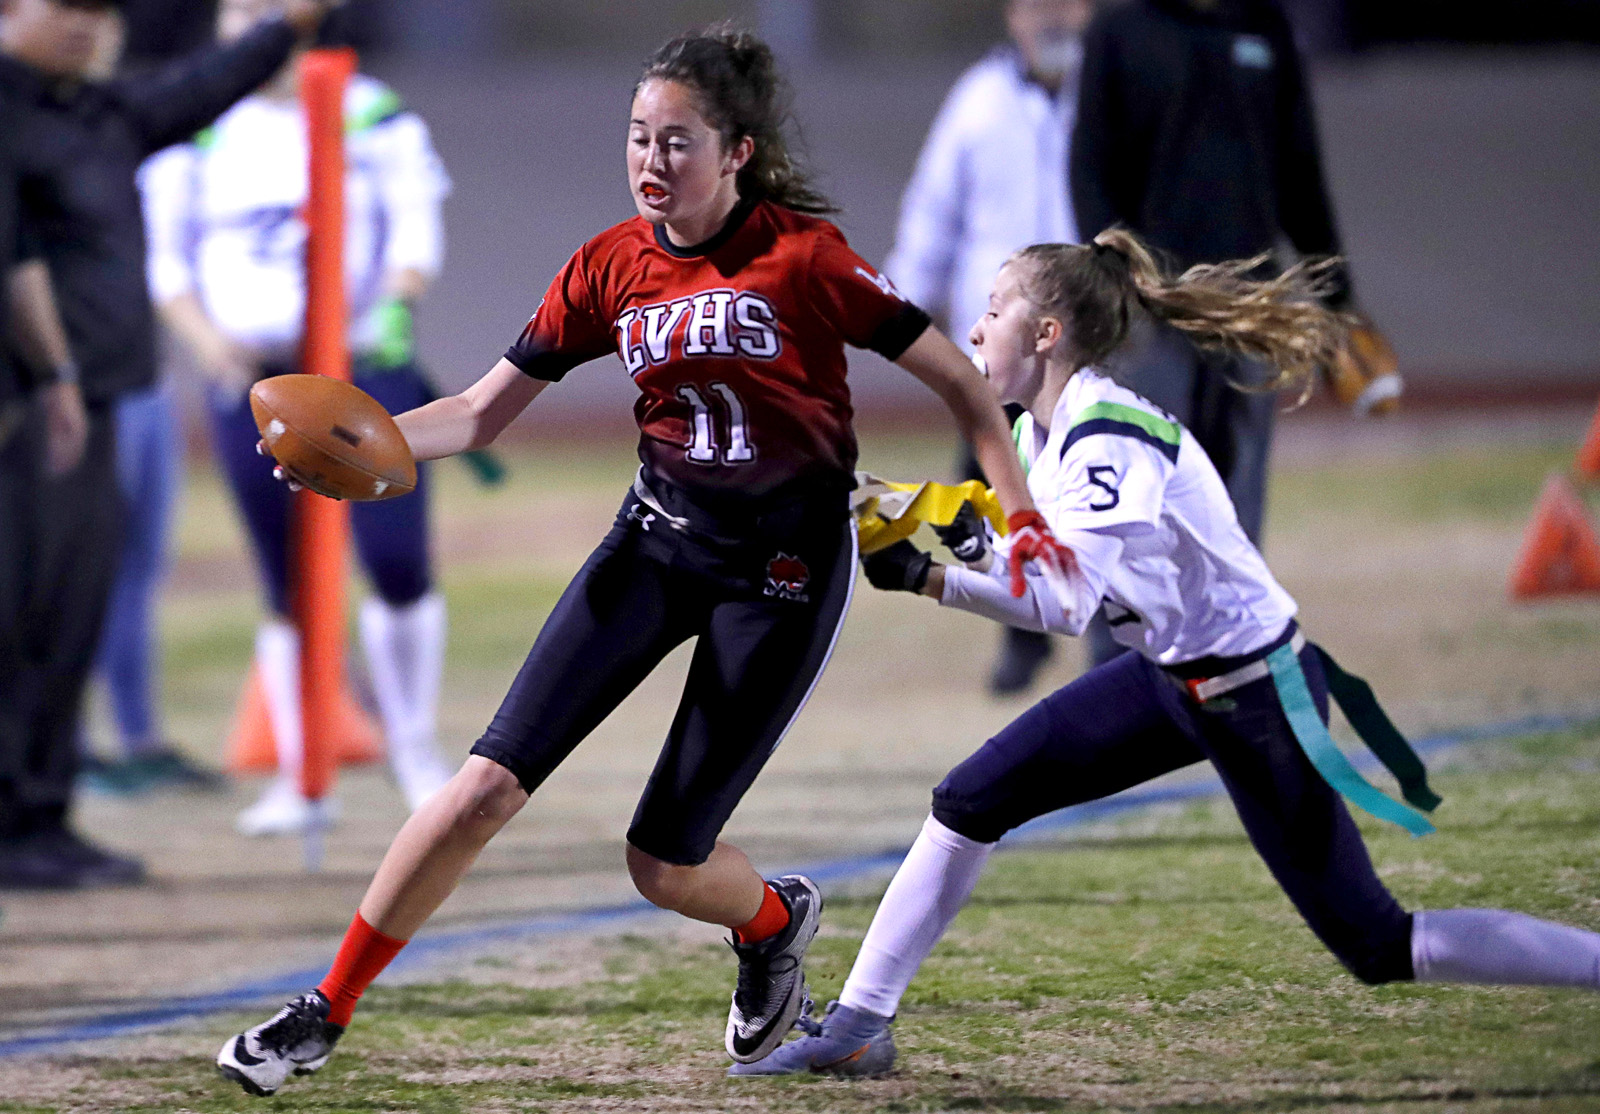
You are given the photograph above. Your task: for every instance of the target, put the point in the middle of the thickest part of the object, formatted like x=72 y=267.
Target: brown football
x=334 y=437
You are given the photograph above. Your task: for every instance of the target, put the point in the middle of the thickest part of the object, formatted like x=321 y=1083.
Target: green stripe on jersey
x=1016 y=436
x=385 y=106
x=1159 y=428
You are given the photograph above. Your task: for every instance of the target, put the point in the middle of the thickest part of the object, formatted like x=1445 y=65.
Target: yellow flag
x=887 y=511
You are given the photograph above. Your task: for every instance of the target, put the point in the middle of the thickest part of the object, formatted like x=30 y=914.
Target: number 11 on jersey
x=703 y=439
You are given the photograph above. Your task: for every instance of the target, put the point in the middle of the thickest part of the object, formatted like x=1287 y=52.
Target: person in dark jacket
x=78 y=145
x=1195 y=131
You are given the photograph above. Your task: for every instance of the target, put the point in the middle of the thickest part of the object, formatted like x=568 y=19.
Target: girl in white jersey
x=1220 y=670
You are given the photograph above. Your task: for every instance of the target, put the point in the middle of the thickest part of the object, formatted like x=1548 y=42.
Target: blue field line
x=434 y=945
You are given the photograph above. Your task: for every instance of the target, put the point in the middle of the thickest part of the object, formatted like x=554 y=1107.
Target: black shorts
x=763 y=588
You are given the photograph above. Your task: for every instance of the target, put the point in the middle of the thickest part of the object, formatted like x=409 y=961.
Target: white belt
x=1203 y=689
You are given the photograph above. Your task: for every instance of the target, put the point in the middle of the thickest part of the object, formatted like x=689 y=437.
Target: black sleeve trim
x=891 y=339
x=552 y=367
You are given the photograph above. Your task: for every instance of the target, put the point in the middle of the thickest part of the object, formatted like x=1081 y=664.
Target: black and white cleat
x=297 y=1040
x=771 y=990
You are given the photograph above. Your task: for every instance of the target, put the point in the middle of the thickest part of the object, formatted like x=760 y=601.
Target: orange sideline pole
x=322 y=526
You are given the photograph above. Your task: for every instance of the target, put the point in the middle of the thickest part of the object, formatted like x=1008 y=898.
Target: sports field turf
x=1146 y=963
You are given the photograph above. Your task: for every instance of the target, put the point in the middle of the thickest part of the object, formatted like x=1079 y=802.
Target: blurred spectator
x=149 y=468
x=1195 y=130
x=227 y=270
x=992 y=178
x=78 y=145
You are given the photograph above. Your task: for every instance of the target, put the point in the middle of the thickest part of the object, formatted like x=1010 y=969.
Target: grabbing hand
x=1033 y=541
x=901 y=567
x=965 y=537
x=66 y=427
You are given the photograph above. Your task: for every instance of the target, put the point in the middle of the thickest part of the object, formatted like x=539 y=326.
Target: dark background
x=1462 y=148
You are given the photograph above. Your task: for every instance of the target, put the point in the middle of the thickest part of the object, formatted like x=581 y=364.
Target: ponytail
x=1279 y=321
x=742 y=94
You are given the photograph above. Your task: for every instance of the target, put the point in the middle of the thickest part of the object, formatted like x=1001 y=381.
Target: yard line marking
x=432 y=946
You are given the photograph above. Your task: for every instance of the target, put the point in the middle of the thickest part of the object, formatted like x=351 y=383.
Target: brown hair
x=742 y=94
x=1096 y=288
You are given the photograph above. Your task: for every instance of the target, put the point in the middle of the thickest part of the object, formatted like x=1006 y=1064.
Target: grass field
x=1144 y=964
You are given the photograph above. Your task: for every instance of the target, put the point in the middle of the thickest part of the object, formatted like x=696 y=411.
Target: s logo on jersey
x=787 y=578
x=712 y=323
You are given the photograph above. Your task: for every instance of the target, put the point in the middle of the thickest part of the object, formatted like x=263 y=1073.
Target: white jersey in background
x=992 y=178
x=1141 y=506
x=223 y=214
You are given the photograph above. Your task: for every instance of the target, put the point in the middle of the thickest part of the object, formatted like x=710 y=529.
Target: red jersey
x=737 y=344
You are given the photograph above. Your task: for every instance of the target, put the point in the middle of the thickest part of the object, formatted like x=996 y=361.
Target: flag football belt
x=887 y=511
x=1356 y=700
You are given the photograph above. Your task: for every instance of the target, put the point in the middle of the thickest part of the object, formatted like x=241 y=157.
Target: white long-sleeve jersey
x=223 y=214
x=992 y=178
x=1139 y=503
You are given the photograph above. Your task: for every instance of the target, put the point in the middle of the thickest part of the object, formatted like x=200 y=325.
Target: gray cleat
x=847 y=1042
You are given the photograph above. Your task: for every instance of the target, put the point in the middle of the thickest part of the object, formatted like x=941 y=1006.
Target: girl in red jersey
x=730 y=302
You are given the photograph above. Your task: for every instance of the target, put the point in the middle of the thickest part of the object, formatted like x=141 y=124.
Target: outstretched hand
x=1032 y=540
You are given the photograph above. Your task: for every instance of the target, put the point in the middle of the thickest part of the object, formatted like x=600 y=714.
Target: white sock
x=405 y=655
x=1494 y=946
x=927 y=892
x=278 y=659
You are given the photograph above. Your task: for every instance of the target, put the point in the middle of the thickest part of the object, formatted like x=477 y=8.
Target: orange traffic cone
x=1560 y=553
x=253 y=750
x=1589 y=454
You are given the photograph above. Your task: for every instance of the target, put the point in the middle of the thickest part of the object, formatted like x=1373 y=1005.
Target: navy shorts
x=1126 y=721
x=764 y=592
x=391 y=536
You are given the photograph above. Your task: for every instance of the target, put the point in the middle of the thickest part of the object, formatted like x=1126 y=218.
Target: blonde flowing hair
x=1097 y=288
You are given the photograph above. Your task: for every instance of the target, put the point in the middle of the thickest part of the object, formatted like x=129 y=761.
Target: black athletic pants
x=1126 y=722
x=764 y=591
x=59 y=542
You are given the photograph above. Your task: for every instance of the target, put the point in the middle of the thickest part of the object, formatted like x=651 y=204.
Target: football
x=333 y=437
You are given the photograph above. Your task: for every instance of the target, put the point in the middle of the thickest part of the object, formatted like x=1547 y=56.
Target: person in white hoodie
x=227 y=272
x=993 y=177
x=1219 y=672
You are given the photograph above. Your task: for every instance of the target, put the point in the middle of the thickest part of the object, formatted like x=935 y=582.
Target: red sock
x=771 y=919
x=362 y=958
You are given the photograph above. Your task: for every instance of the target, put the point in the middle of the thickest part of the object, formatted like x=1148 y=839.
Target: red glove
x=1033 y=541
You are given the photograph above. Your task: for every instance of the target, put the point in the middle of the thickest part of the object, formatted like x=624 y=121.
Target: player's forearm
x=472 y=419
x=997 y=455
x=935 y=360
x=1037 y=609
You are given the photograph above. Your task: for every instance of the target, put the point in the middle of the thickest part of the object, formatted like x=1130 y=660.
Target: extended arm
x=939 y=364
x=473 y=418
x=182 y=99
